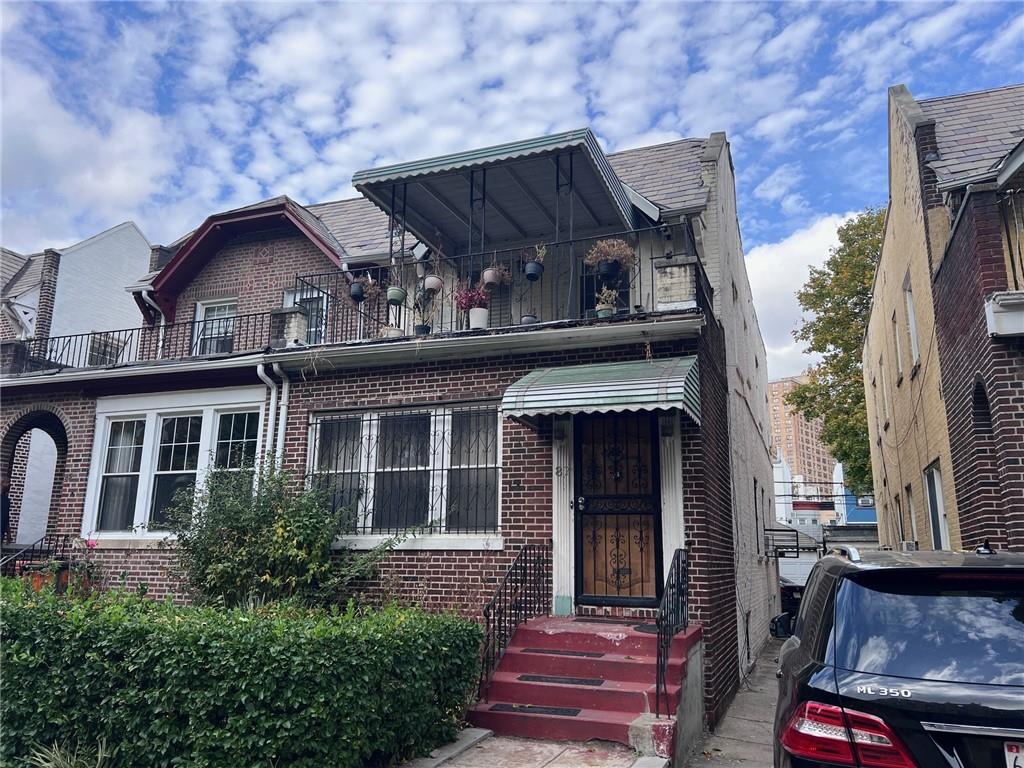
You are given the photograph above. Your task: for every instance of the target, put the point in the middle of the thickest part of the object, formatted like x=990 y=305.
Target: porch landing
x=582 y=678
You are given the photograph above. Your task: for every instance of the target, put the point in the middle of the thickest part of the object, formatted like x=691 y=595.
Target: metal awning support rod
x=576 y=195
x=529 y=194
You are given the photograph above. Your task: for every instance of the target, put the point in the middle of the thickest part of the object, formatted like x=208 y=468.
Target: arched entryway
x=33 y=454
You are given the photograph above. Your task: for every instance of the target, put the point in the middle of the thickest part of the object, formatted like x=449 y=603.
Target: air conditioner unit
x=908 y=546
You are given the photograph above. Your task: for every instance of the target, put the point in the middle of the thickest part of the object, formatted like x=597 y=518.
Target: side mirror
x=781 y=626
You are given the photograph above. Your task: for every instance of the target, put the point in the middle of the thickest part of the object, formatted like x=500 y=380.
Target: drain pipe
x=261 y=371
x=282 y=421
x=147 y=296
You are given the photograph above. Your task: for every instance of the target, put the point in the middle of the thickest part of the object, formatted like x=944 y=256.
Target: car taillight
x=830 y=734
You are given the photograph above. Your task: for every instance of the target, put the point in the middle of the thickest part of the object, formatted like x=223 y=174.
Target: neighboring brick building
x=798 y=440
x=330 y=339
x=942 y=359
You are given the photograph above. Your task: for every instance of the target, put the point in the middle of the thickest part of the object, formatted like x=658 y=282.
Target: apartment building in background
x=943 y=354
x=798 y=440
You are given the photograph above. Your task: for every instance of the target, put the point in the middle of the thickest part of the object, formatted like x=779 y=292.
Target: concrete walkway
x=744 y=738
x=510 y=752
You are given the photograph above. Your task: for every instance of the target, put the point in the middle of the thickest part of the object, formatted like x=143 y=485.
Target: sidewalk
x=743 y=738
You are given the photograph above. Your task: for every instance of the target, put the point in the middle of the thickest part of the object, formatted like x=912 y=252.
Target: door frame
x=657 y=527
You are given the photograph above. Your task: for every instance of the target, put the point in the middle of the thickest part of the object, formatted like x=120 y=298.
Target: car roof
x=874 y=560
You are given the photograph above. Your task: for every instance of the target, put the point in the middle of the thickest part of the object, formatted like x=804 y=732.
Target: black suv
x=904 y=660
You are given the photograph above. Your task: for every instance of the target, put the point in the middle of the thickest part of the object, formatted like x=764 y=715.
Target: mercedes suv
x=904 y=660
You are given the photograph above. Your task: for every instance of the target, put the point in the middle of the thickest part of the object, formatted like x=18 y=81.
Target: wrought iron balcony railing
x=654 y=270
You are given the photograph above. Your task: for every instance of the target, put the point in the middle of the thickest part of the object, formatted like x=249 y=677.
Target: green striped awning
x=649 y=385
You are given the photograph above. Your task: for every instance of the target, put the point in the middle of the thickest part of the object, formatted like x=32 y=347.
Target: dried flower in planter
x=612 y=250
x=608 y=297
x=471 y=297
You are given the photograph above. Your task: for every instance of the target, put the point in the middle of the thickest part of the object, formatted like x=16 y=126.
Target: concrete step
x=590 y=693
x=612 y=666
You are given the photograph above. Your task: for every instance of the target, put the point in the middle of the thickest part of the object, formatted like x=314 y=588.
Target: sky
x=165 y=113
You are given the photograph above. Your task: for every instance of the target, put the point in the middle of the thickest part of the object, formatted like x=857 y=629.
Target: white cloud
x=1004 y=48
x=794 y=42
x=779 y=183
x=777 y=270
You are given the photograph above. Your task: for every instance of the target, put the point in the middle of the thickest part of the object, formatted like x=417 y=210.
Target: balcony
x=655 y=271
x=509 y=290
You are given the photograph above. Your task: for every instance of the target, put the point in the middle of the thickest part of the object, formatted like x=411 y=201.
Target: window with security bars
x=434 y=470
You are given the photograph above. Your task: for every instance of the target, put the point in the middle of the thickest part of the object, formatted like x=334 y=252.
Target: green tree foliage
x=279 y=685
x=837 y=302
x=238 y=542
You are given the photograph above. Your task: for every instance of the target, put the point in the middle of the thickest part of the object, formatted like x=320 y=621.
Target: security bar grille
x=431 y=470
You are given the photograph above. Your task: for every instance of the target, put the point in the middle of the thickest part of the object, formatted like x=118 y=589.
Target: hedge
x=170 y=685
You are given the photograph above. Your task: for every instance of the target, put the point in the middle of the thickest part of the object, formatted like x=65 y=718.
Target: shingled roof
x=974 y=131
x=20 y=273
x=359 y=224
x=669 y=175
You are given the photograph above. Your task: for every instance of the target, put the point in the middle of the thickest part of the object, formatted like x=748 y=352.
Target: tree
x=837 y=300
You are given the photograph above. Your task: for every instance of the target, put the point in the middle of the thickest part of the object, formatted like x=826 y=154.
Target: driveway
x=743 y=738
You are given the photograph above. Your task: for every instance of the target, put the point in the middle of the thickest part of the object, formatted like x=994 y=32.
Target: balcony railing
x=172 y=341
x=545 y=282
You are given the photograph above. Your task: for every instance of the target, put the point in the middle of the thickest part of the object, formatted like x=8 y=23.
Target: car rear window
x=962 y=627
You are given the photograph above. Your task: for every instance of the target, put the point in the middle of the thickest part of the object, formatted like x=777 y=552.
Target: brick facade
x=982 y=380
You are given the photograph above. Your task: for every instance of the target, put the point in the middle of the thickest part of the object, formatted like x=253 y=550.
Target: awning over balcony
x=506 y=193
x=649 y=385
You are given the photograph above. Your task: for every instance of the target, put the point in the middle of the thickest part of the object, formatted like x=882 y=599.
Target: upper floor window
x=936 y=506
x=215 y=326
x=149 y=447
x=897 y=347
x=433 y=469
x=908 y=297
x=315 y=305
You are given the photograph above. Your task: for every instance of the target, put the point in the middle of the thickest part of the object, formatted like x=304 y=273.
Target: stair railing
x=522 y=594
x=672 y=617
x=45 y=548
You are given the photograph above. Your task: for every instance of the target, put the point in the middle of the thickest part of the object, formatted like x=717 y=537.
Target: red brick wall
x=256 y=269
x=988 y=465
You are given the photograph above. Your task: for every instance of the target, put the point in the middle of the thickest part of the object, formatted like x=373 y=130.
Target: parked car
x=904 y=660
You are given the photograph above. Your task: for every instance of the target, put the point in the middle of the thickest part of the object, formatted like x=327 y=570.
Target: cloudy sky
x=164 y=113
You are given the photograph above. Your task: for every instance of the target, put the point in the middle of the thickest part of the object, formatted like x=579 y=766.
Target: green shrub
x=280 y=685
x=239 y=542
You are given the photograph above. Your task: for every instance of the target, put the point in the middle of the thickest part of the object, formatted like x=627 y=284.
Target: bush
x=239 y=542
x=280 y=685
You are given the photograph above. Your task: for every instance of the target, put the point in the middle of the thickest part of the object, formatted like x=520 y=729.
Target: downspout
x=261 y=371
x=147 y=296
x=282 y=421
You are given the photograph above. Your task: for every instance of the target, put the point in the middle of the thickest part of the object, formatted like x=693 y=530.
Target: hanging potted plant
x=432 y=284
x=533 y=266
x=609 y=257
x=606 y=300
x=494 y=275
x=528 y=319
x=397 y=295
x=474 y=300
x=362 y=288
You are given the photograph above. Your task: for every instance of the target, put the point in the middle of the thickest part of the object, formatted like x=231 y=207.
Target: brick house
x=943 y=355
x=442 y=354
x=61 y=293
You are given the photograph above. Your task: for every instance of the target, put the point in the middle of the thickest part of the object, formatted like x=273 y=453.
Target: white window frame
x=151 y=409
x=441 y=418
x=936 y=512
x=897 y=345
x=908 y=298
x=200 y=320
x=293 y=297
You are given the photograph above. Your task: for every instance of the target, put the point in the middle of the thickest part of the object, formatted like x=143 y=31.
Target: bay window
x=149 y=447
x=433 y=470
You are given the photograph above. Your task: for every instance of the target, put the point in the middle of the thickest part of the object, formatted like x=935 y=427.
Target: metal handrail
x=672 y=617
x=37 y=550
x=522 y=594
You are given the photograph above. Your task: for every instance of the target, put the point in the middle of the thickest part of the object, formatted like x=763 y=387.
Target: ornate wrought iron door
x=618 y=510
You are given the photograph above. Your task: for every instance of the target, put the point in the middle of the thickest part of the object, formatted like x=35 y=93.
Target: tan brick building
x=931 y=368
x=798 y=440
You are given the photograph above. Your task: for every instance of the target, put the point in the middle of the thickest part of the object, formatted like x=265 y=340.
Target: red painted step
x=617 y=666
x=588 y=724
x=610 y=695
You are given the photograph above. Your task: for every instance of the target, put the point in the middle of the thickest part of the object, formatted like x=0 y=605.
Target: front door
x=617 y=510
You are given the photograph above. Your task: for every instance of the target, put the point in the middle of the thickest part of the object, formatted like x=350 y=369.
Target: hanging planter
x=421 y=330
x=355 y=290
x=397 y=295
x=528 y=319
x=432 y=284
x=609 y=257
x=491 y=278
x=479 y=318
x=533 y=270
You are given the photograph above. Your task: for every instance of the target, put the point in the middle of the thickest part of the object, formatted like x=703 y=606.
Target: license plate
x=1014 y=753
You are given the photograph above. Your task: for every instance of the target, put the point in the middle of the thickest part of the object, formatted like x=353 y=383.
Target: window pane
x=179 y=443
x=124 y=450
x=400 y=500
x=474 y=437
x=404 y=440
x=117 y=503
x=346 y=491
x=340 y=444
x=472 y=500
x=163 y=493
x=236 y=440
